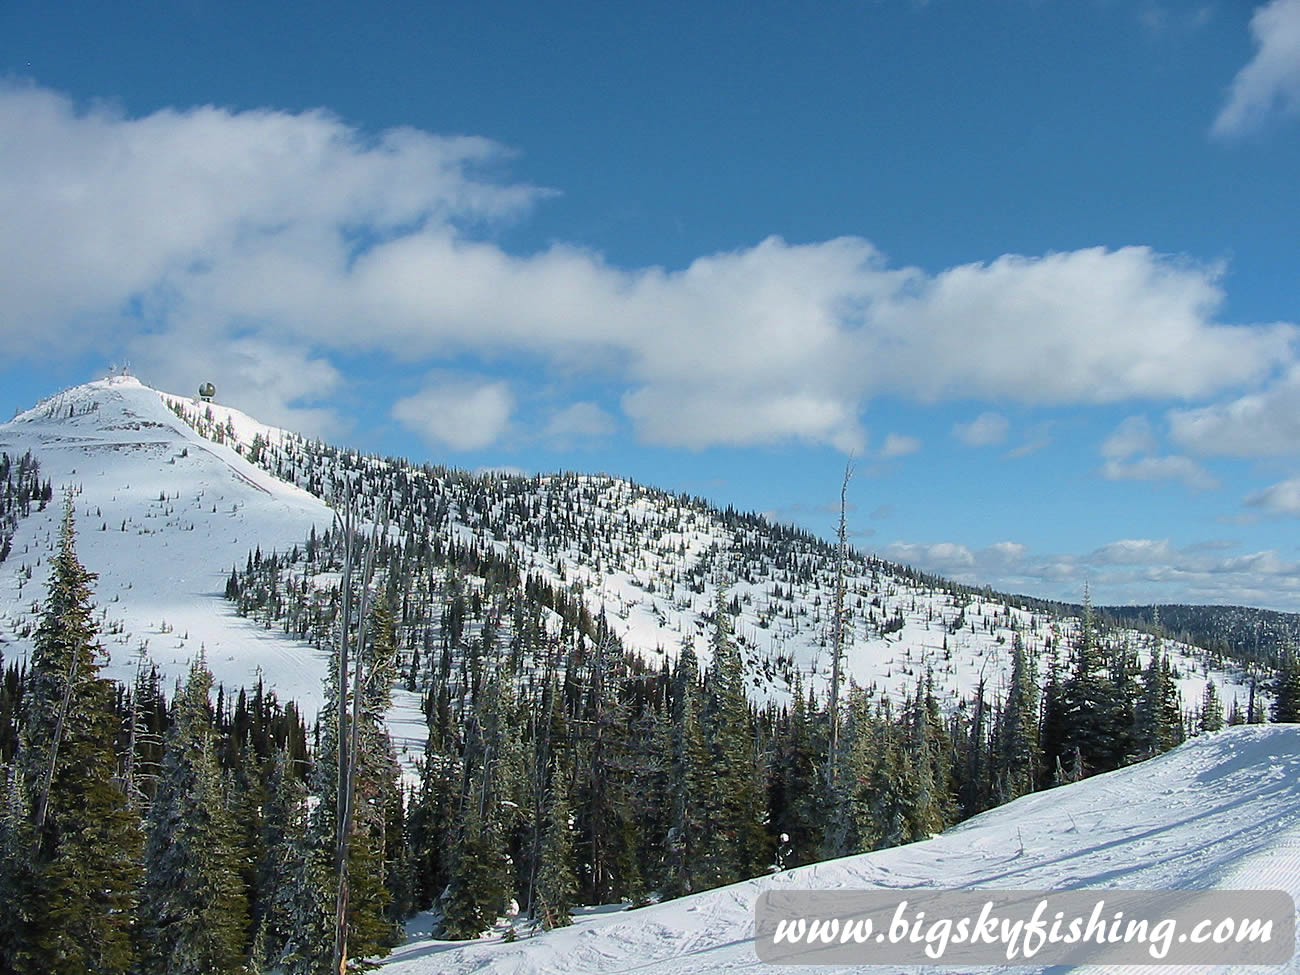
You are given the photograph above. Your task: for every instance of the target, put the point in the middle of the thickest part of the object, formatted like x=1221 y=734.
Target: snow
x=1220 y=812
x=652 y=562
x=163 y=513
x=161 y=580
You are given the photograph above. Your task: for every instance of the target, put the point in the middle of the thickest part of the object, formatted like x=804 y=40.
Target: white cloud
x=1263 y=424
x=1132 y=570
x=1132 y=551
x=1270 y=83
x=899 y=445
x=1282 y=498
x=308 y=237
x=983 y=431
x=694 y=417
x=1133 y=436
x=945 y=557
x=581 y=420
x=458 y=414
x=279 y=384
x=1171 y=467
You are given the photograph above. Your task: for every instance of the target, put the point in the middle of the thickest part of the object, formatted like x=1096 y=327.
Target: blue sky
x=1031 y=264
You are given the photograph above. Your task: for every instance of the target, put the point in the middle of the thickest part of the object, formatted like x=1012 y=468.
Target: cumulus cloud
x=1131 y=570
x=1282 y=498
x=1171 y=467
x=1270 y=84
x=458 y=414
x=581 y=420
x=283 y=385
x=948 y=557
x=983 y=431
x=1133 y=436
x=1129 y=453
x=899 y=445
x=303 y=235
x=1262 y=424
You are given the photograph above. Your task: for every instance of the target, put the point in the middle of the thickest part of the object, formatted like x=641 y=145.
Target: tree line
x=197 y=832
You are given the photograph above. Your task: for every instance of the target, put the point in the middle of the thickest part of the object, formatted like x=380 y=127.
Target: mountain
x=1221 y=811
x=173 y=495
x=162 y=514
x=600 y=692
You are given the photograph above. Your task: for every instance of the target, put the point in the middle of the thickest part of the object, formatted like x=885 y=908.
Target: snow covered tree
x=281 y=865
x=194 y=908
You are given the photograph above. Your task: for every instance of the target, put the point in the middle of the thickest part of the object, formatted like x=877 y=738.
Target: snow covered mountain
x=162 y=513
x=1221 y=811
x=171 y=493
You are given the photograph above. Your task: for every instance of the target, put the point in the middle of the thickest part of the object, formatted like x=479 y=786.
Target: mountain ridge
x=647 y=563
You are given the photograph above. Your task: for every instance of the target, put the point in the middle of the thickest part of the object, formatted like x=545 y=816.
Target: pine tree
x=1017 y=759
x=282 y=863
x=1092 y=710
x=797 y=797
x=736 y=845
x=556 y=884
x=76 y=889
x=480 y=875
x=690 y=785
x=370 y=933
x=1286 y=692
x=14 y=850
x=194 y=907
x=885 y=789
x=1211 y=716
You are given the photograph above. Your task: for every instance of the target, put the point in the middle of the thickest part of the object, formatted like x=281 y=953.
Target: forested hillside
x=529 y=694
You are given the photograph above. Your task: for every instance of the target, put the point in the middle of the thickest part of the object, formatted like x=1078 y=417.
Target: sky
x=1029 y=267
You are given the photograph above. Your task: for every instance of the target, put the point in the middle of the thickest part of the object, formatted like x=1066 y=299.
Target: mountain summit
x=162 y=515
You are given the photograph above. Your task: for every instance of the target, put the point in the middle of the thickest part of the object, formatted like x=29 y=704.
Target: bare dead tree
x=349 y=671
x=837 y=634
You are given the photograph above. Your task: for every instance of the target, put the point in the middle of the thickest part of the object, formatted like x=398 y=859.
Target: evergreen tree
x=14 y=850
x=1017 y=759
x=1211 y=716
x=371 y=933
x=1286 y=692
x=690 y=784
x=795 y=788
x=194 y=908
x=556 y=884
x=281 y=864
x=735 y=845
x=480 y=876
x=1093 y=710
x=75 y=889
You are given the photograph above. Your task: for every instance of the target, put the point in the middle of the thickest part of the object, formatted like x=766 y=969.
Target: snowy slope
x=652 y=564
x=162 y=514
x=1220 y=812
x=167 y=505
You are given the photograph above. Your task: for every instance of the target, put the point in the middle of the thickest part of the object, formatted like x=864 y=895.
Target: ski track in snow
x=1220 y=812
